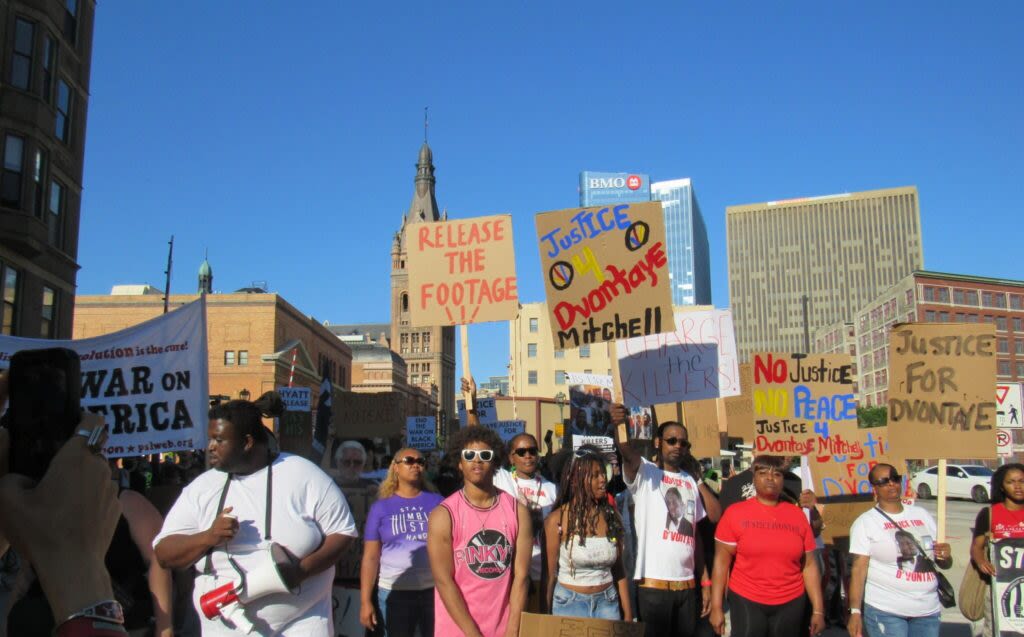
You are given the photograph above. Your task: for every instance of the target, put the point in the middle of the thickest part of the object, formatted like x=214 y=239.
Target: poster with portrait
x=641 y=423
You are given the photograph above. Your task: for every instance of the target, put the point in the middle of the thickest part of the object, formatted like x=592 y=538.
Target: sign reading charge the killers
x=605 y=273
x=149 y=382
x=462 y=271
x=1008 y=584
x=941 y=403
x=804 y=405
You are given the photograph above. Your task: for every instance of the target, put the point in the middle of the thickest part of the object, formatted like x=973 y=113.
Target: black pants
x=750 y=619
x=667 y=612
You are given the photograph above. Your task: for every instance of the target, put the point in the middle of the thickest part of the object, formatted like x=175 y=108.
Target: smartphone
x=44 y=407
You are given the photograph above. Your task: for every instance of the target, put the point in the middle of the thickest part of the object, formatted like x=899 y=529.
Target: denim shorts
x=602 y=605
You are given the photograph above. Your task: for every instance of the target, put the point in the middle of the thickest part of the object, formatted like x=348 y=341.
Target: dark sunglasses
x=411 y=460
x=525 y=451
x=894 y=478
x=485 y=455
x=673 y=441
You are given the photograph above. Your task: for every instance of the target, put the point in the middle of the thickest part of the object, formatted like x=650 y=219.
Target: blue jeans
x=881 y=624
x=602 y=605
x=406 y=613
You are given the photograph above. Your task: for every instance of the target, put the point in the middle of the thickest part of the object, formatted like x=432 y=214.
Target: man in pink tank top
x=479 y=541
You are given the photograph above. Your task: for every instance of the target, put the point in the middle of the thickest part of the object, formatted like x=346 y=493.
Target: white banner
x=419 y=432
x=150 y=382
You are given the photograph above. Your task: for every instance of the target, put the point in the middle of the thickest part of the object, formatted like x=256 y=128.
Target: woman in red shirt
x=1004 y=519
x=771 y=543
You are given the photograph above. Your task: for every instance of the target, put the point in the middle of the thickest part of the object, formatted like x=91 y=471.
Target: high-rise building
x=429 y=352
x=837 y=251
x=44 y=90
x=597 y=189
x=689 y=260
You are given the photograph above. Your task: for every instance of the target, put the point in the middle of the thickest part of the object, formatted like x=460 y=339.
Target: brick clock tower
x=429 y=352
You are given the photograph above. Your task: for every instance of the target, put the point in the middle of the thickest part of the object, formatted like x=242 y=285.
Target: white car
x=962 y=481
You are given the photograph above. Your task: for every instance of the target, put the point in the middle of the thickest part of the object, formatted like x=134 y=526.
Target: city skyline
x=276 y=157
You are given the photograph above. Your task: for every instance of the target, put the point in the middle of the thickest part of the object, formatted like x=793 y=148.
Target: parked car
x=962 y=481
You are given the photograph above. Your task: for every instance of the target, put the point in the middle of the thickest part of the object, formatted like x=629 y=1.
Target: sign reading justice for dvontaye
x=605 y=273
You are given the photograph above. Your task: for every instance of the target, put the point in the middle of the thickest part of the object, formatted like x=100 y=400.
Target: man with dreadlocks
x=668 y=497
x=583 y=545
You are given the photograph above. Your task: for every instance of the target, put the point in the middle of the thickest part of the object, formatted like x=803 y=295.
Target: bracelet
x=855 y=611
x=705 y=583
x=818 y=612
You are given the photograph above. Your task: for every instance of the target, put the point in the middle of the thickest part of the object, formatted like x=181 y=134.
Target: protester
x=479 y=541
x=898 y=598
x=668 y=597
x=248 y=501
x=351 y=460
x=583 y=541
x=764 y=550
x=395 y=551
x=1004 y=519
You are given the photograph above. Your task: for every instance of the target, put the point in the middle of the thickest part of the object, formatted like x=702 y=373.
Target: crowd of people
x=463 y=548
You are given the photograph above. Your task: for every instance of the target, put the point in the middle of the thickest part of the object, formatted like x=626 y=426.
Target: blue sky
x=284 y=141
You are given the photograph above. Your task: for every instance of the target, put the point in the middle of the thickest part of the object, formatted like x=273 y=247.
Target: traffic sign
x=1004 y=442
x=1008 y=406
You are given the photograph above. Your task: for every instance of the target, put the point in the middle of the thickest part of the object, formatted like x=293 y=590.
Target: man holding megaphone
x=263 y=529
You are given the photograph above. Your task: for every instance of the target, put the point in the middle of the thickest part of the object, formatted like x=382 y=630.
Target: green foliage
x=872 y=416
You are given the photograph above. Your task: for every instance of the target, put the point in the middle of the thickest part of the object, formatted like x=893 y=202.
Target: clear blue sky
x=285 y=140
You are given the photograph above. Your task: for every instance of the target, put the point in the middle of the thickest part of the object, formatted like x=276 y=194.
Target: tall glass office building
x=689 y=259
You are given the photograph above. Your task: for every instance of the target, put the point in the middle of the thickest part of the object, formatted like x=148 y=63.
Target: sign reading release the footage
x=149 y=382
x=605 y=273
x=462 y=271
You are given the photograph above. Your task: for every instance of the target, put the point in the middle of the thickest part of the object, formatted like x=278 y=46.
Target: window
x=559 y=353
x=584 y=351
x=533 y=326
x=243 y=357
x=1019 y=346
x=1016 y=302
x=944 y=317
x=942 y=295
x=1001 y=323
x=929 y=316
x=48 y=328
x=55 y=220
x=415 y=343
x=49 y=66
x=531 y=350
x=999 y=299
x=986 y=299
x=929 y=293
x=405 y=302
x=62 y=123
x=415 y=379
x=37 y=178
x=961 y=317
x=588 y=371
x=958 y=297
x=426 y=341
x=559 y=377
x=1020 y=369
x=933 y=471
x=10 y=183
x=21 y=61
x=972 y=318
x=404 y=343
x=1004 y=368
x=531 y=377
x=971 y=297
x=71 y=20
x=229 y=357
x=1003 y=346
x=10 y=306
x=1018 y=324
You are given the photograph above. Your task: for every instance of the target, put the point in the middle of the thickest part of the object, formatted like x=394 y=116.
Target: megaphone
x=228 y=601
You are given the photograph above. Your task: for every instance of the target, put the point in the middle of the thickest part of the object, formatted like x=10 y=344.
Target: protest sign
x=559 y=626
x=486 y=411
x=368 y=415
x=359 y=501
x=739 y=410
x=1008 y=406
x=641 y=423
x=701 y=420
x=695 y=362
x=941 y=380
x=840 y=516
x=581 y=378
x=1008 y=586
x=605 y=273
x=462 y=271
x=295 y=426
x=420 y=432
x=590 y=410
x=507 y=429
x=150 y=382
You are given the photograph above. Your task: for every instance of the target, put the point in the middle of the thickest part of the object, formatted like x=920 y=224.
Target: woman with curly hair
x=395 y=551
x=479 y=542
x=583 y=542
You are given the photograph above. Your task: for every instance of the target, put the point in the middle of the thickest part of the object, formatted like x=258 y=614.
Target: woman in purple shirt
x=395 y=551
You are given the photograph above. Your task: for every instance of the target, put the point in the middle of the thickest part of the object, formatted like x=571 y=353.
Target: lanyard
x=208 y=566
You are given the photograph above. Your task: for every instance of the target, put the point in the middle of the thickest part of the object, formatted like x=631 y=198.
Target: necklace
x=474 y=508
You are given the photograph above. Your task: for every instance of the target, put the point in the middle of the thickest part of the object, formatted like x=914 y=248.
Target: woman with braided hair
x=583 y=545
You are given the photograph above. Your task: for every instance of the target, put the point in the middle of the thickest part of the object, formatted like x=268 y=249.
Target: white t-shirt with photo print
x=665 y=540
x=899 y=580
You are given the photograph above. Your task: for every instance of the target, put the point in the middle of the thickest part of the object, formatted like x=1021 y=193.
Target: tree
x=872 y=416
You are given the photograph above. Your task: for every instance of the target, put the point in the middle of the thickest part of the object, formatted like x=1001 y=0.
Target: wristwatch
x=108 y=610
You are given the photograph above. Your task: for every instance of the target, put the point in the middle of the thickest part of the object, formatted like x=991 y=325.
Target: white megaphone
x=228 y=601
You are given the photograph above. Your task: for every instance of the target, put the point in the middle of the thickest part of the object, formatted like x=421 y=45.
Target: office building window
x=39 y=182
x=415 y=379
x=1004 y=368
x=49 y=67
x=404 y=344
x=426 y=341
x=62 y=123
x=21 y=61
x=533 y=326
x=559 y=353
x=958 y=297
x=986 y=299
x=999 y=299
x=971 y=297
x=10 y=282
x=243 y=357
x=531 y=350
x=1020 y=370
x=229 y=357
x=1019 y=346
x=55 y=220
x=48 y=327
x=584 y=351
x=929 y=294
x=1016 y=302
x=944 y=317
x=71 y=21
x=531 y=377
x=1001 y=323
x=1018 y=324
x=415 y=343
x=929 y=316
x=559 y=377
x=1003 y=346
x=942 y=295
x=10 y=182
x=588 y=371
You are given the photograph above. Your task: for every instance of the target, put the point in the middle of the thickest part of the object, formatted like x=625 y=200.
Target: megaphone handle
x=235 y=613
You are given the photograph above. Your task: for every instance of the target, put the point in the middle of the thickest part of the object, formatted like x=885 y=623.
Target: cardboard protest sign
x=561 y=626
x=605 y=273
x=295 y=426
x=1008 y=586
x=420 y=432
x=739 y=410
x=462 y=271
x=359 y=500
x=840 y=516
x=507 y=429
x=695 y=362
x=941 y=403
x=486 y=411
x=150 y=382
x=701 y=420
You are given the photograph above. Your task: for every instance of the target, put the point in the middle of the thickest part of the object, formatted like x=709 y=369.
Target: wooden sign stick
x=466 y=373
x=940 y=511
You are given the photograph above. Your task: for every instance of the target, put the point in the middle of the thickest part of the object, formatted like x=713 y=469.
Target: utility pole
x=167 y=273
x=807 y=327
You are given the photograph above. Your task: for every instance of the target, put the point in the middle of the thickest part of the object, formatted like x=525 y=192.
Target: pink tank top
x=483 y=546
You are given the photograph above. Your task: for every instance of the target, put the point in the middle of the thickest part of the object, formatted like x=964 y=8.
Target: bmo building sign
x=605 y=188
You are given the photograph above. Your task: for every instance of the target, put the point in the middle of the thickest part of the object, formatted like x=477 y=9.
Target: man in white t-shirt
x=668 y=504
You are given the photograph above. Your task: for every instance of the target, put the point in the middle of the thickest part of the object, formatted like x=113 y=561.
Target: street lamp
x=560 y=401
x=244 y=394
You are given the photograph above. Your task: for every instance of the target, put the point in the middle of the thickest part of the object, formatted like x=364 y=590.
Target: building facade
x=689 y=258
x=45 y=58
x=429 y=352
x=598 y=189
x=838 y=251
x=937 y=297
x=537 y=369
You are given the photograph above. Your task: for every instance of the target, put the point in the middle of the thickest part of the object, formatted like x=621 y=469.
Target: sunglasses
x=525 y=451
x=485 y=455
x=672 y=442
x=411 y=460
x=893 y=478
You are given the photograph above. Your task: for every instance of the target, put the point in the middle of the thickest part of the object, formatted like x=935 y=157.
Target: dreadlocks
x=580 y=509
